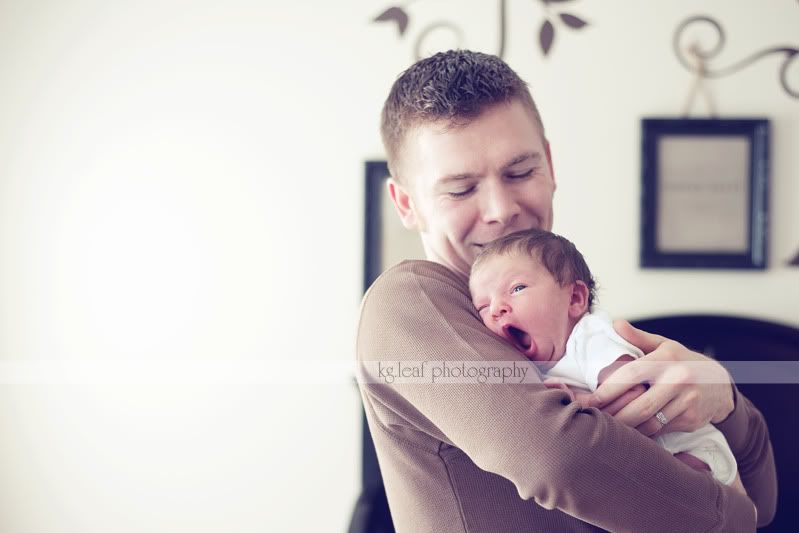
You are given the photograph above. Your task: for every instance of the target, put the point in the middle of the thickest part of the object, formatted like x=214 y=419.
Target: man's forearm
x=747 y=434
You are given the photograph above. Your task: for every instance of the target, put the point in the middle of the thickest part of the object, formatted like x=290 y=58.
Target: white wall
x=593 y=95
x=181 y=185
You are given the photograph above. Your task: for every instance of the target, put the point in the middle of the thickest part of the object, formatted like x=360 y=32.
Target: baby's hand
x=692 y=461
x=555 y=383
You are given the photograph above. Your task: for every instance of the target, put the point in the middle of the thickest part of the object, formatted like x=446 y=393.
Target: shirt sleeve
x=598 y=346
x=580 y=461
x=747 y=435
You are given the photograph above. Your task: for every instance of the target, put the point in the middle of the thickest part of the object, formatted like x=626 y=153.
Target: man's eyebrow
x=533 y=157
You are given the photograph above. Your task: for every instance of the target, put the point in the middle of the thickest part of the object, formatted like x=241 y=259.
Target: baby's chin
x=545 y=363
x=545 y=366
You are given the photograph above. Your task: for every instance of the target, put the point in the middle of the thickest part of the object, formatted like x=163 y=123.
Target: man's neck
x=461 y=270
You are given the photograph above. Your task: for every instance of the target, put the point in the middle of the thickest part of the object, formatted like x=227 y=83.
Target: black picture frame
x=704 y=201
x=376 y=174
x=387 y=241
x=371 y=513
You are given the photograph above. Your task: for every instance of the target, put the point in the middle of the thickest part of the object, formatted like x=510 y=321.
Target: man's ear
x=578 y=304
x=403 y=203
x=548 y=151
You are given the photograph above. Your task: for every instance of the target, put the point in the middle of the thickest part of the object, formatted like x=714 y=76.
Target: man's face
x=521 y=301
x=465 y=186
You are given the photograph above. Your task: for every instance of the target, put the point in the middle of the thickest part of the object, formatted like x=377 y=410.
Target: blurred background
x=181 y=230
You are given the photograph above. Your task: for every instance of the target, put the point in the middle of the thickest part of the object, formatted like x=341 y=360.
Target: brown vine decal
x=546 y=34
x=553 y=17
x=706 y=54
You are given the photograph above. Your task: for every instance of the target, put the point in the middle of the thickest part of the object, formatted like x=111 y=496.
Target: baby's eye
x=518 y=288
x=481 y=309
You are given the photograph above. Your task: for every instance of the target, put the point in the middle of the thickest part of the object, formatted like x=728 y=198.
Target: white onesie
x=593 y=345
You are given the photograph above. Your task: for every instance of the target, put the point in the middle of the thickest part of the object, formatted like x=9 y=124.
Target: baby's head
x=531 y=287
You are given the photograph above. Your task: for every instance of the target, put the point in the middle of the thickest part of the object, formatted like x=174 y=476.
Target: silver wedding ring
x=662 y=418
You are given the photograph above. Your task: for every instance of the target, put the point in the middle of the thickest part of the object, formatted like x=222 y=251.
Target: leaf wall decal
x=396 y=14
x=546 y=36
x=572 y=21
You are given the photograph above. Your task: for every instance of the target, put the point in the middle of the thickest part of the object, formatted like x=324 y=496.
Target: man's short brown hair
x=451 y=87
x=557 y=254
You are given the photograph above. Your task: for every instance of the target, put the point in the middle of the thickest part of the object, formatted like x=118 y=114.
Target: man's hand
x=689 y=394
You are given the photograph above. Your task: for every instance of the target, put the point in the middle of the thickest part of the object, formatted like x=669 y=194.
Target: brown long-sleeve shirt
x=518 y=457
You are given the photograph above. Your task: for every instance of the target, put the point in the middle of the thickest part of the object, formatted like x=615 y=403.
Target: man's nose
x=500 y=205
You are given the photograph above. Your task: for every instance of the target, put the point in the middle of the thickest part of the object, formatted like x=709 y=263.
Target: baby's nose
x=499 y=309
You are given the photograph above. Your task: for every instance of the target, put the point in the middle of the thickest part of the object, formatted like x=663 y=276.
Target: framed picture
x=704 y=193
x=386 y=241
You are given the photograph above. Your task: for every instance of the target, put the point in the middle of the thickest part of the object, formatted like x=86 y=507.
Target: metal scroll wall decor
x=702 y=68
x=554 y=15
x=553 y=18
x=696 y=59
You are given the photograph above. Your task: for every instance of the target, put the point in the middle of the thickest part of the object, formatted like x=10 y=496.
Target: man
x=470 y=163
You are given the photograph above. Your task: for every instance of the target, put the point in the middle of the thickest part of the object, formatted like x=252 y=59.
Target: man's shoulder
x=413 y=276
x=411 y=307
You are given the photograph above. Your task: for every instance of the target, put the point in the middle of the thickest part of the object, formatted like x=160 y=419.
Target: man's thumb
x=646 y=342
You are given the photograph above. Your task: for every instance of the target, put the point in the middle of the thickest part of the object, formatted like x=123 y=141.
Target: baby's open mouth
x=520 y=338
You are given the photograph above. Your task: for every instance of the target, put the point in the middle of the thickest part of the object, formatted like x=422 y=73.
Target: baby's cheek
x=487 y=323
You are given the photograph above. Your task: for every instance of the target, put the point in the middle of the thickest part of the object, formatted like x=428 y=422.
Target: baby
x=534 y=289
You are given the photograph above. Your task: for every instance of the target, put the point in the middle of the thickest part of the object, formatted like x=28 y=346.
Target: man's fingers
x=645 y=407
x=618 y=383
x=654 y=426
x=650 y=428
x=583 y=398
x=646 y=342
x=552 y=383
x=619 y=403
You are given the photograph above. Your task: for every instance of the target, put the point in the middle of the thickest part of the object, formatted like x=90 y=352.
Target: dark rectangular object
x=704 y=201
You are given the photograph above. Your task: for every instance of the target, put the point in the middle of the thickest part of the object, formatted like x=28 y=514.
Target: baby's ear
x=579 y=299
